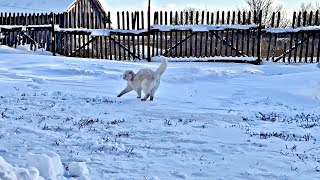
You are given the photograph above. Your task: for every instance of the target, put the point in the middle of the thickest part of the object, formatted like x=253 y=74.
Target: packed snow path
x=208 y=120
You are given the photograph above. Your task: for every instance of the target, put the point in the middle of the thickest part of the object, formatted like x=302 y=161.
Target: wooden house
x=86 y=14
x=68 y=13
x=65 y=13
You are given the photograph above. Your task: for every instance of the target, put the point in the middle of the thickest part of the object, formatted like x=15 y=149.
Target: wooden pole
x=53 y=41
x=149 y=31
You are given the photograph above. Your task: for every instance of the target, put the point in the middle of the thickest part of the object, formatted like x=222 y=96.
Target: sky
x=138 y=5
x=212 y=5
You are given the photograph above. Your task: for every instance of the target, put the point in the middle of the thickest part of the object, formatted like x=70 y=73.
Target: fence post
x=259 y=39
x=53 y=43
x=149 y=32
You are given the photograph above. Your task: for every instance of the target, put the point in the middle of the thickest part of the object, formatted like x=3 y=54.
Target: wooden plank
x=41 y=34
x=181 y=36
x=154 y=35
x=133 y=19
x=317 y=23
x=166 y=33
x=248 y=36
x=216 y=40
x=227 y=34
x=206 y=52
x=176 y=33
x=196 y=37
x=92 y=26
x=149 y=29
x=232 y=31
x=80 y=37
x=96 y=26
x=186 y=33
x=118 y=26
x=270 y=36
x=66 y=42
x=143 y=37
x=6 y=21
x=104 y=25
x=243 y=32
x=221 y=45
x=201 y=35
x=134 y=27
x=297 y=38
x=138 y=37
x=284 y=50
x=171 y=34
x=308 y=38
x=88 y=50
x=14 y=33
x=10 y=43
x=291 y=35
x=124 y=42
x=161 y=33
x=276 y=37
x=314 y=38
x=128 y=37
x=191 y=37
x=302 y=34
x=53 y=48
x=211 y=35
x=100 y=26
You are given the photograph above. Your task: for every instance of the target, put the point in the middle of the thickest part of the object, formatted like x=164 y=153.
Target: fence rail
x=231 y=35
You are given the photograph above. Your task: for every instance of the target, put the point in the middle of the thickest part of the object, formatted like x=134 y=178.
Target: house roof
x=37 y=6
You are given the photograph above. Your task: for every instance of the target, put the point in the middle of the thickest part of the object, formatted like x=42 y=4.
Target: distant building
x=70 y=13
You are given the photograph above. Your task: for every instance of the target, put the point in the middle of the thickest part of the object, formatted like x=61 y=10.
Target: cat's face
x=128 y=75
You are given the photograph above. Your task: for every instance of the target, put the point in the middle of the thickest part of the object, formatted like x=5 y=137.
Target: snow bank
x=49 y=164
x=193 y=28
x=78 y=169
x=43 y=166
x=8 y=172
x=292 y=30
x=203 y=59
x=204 y=28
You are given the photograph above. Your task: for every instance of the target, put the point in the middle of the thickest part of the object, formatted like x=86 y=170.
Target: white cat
x=146 y=80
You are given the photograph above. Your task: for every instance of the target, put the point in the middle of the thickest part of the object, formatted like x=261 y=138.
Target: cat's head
x=128 y=75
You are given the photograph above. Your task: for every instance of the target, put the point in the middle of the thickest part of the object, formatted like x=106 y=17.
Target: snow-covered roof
x=37 y=6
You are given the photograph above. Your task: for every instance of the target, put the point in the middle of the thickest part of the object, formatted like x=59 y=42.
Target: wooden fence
x=34 y=29
x=219 y=36
x=299 y=43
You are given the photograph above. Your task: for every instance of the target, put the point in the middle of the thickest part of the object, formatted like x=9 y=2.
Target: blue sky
x=133 y=5
x=115 y=5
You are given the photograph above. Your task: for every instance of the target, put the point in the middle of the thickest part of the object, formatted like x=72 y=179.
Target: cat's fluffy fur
x=145 y=80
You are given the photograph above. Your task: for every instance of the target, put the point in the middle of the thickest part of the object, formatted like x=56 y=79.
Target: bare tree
x=188 y=17
x=268 y=7
x=308 y=10
x=309 y=6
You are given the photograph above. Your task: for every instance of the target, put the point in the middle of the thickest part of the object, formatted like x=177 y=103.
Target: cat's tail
x=162 y=68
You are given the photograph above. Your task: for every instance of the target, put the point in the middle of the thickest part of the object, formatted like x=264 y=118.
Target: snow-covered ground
x=61 y=119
